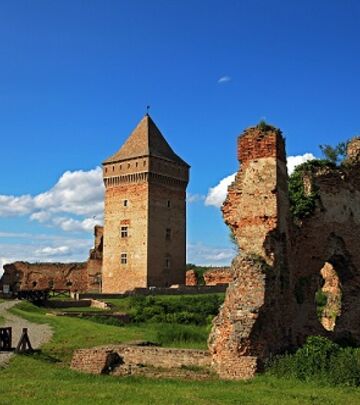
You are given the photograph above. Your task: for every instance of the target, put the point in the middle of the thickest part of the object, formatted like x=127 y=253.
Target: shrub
x=319 y=359
x=186 y=310
x=303 y=205
x=170 y=334
x=345 y=367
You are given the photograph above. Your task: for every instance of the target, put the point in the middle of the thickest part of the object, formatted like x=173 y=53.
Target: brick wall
x=95 y=360
x=251 y=323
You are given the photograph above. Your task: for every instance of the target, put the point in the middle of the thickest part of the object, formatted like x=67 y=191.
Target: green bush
x=185 y=310
x=321 y=360
x=345 y=367
x=303 y=205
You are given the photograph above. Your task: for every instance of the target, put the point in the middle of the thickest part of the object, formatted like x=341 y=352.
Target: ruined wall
x=96 y=360
x=94 y=263
x=285 y=262
x=326 y=253
x=191 y=279
x=40 y=276
x=213 y=276
x=253 y=322
x=218 y=275
x=79 y=277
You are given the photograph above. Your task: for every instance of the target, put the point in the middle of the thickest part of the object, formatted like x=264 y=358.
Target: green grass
x=76 y=309
x=34 y=380
x=41 y=379
x=75 y=333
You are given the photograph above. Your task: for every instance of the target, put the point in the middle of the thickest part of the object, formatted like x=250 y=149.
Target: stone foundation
x=126 y=360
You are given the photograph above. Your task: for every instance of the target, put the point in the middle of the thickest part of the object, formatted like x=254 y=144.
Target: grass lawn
x=46 y=379
x=76 y=309
x=31 y=380
x=75 y=333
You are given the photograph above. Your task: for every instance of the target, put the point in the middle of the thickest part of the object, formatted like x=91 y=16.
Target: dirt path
x=38 y=333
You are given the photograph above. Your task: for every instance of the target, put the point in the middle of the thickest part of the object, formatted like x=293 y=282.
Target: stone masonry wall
x=329 y=239
x=191 y=278
x=270 y=306
x=42 y=276
x=97 y=359
x=220 y=275
x=213 y=276
x=252 y=321
x=77 y=277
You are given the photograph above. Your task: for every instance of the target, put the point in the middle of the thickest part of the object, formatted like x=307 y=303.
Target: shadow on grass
x=40 y=356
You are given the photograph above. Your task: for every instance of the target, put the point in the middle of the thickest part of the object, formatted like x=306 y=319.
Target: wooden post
x=24 y=343
x=5 y=339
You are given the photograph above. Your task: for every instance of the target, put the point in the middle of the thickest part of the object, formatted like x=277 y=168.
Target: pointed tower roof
x=145 y=140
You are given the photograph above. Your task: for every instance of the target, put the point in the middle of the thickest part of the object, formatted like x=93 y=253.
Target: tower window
x=129 y=165
x=144 y=164
x=168 y=234
x=123 y=258
x=136 y=164
x=168 y=203
x=124 y=231
x=125 y=203
x=105 y=169
x=167 y=263
x=120 y=167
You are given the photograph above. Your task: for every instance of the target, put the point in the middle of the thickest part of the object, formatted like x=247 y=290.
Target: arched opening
x=328 y=297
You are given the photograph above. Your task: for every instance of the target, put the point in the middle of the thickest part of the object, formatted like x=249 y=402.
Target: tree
x=334 y=154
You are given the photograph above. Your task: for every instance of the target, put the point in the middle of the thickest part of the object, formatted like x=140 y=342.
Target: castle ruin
x=270 y=306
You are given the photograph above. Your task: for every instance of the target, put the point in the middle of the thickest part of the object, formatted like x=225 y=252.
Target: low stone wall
x=94 y=361
x=214 y=276
x=99 y=360
x=191 y=278
x=218 y=276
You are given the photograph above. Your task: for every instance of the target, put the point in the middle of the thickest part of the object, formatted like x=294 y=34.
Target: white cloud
x=11 y=205
x=293 y=161
x=208 y=255
x=193 y=198
x=79 y=193
x=224 y=79
x=52 y=251
x=217 y=194
x=74 y=225
x=56 y=249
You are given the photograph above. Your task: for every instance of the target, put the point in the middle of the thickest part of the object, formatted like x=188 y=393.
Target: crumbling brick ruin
x=78 y=277
x=125 y=360
x=213 y=276
x=284 y=261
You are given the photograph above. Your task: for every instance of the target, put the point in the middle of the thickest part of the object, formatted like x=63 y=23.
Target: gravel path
x=38 y=333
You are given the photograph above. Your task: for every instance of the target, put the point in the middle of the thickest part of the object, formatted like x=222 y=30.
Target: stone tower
x=145 y=213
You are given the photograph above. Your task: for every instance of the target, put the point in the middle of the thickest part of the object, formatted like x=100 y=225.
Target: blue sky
x=76 y=76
